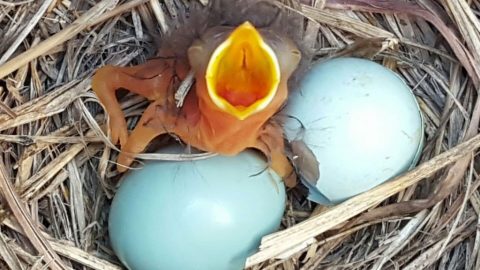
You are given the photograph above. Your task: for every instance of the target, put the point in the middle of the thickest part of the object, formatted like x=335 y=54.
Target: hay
x=57 y=178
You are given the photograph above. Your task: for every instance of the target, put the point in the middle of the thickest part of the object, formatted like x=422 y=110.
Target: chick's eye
x=295 y=52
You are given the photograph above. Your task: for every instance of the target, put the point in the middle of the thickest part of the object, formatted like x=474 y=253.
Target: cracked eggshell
x=362 y=123
x=205 y=214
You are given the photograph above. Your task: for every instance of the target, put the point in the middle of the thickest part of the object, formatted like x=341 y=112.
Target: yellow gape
x=243 y=73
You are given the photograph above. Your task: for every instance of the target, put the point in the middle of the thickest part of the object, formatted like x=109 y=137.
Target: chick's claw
x=143 y=133
x=118 y=130
x=271 y=143
x=280 y=164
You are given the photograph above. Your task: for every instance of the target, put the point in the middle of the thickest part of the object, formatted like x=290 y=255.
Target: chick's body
x=203 y=122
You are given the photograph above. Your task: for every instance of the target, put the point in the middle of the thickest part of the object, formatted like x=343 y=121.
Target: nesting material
x=57 y=178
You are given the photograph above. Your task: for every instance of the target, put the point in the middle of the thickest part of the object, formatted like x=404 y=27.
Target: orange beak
x=243 y=73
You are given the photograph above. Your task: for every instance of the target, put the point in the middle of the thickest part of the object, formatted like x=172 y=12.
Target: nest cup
x=58 y=180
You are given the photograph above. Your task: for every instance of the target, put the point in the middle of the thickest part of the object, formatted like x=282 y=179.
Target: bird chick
x=241 y=81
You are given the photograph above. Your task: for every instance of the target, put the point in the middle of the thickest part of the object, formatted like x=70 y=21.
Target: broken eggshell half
x=357 y=122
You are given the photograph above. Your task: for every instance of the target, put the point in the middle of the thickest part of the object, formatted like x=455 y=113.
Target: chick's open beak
x=243 y=73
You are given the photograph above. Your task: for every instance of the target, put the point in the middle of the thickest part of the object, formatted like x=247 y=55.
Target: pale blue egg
x=206 y=214
x=362 y=122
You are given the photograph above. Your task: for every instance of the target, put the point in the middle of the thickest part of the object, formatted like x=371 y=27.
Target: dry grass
x=57 y=178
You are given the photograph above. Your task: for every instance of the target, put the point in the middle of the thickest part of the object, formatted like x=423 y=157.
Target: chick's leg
x=151 y=80
x=270 y=142
x=140 y=137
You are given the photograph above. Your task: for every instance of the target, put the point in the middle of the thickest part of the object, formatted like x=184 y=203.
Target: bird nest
x=57 y=175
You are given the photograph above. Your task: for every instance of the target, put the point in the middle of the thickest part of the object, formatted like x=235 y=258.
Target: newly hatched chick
x=242 y=56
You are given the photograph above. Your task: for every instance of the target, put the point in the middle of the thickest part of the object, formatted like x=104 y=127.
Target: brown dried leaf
x=305 y=162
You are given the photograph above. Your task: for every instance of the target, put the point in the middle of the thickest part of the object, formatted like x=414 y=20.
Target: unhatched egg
x=206 y=214
x=362 y=123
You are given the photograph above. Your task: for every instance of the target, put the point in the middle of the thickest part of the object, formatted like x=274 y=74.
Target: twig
x=83 y=257
x=7 y=255
x=394 y=6
x=24 y=219
x=429 y=256
x=277 y=243
x=460 y=212
x=28 y=140
x=157 y=10
x=7 y=110
x=70 y=252
x=68 y=32
x=118 y=10
x=41 y=10
x=403 y=238
x=10 y=4
x=184 y=88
